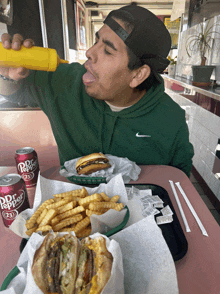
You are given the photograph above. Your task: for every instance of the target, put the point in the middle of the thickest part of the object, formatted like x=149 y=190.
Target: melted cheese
x=94 y=287
x=99 y=247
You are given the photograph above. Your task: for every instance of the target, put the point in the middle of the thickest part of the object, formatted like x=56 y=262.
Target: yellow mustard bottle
x=35 y=58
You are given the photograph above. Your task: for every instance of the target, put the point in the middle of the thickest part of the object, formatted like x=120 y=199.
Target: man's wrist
x=8 y=88
x=8 y=79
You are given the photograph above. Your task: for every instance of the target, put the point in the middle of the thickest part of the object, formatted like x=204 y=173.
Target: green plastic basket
x=119 y=227
x=86 y=180
x=15 y=271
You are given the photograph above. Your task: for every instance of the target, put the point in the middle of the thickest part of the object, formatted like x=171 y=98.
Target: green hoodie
x=152 y=131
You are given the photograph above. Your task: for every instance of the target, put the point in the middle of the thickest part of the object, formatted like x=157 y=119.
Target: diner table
x=198 y=272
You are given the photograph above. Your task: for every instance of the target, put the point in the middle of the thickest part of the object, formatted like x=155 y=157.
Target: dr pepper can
x=13 y=197
x=27 y=165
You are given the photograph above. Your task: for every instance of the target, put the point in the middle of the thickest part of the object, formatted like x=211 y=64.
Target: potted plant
x=172 y=66
x=201 y=41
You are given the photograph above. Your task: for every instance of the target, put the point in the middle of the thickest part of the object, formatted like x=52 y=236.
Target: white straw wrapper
x=192 y=209
x=180 y=207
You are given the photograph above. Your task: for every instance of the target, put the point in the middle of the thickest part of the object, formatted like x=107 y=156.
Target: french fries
x=48 y=217
x=114 y=198
x=71 y=211
x=82 y=224
x=42 y=215
x=84 y=233
x=32 y=221
x=67 y=214
x=90 y=199
x=66 y=222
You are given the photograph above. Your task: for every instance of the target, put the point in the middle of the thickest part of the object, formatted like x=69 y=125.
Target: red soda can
x=27 y=165
x=13 y=197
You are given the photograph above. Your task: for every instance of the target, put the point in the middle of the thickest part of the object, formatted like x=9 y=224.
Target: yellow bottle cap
x=63 y=61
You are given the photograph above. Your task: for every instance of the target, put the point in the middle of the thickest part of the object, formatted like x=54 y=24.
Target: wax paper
x=148 y=263
x=119 y=165
x=100 y=223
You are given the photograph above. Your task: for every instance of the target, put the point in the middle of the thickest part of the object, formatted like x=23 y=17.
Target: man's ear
x=140 y=74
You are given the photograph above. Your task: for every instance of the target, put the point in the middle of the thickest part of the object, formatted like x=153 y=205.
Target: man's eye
x=106 y=52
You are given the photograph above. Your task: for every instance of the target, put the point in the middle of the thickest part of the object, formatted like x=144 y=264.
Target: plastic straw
x=180 y=207
x=192 y=209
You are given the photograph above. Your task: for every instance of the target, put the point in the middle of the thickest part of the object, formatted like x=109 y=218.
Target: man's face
x=108 y=76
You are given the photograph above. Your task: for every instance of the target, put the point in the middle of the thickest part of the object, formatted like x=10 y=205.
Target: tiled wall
x=204 y=129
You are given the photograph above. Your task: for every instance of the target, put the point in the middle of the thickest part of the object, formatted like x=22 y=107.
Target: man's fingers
x=28 y=43
x=17 y=41
x=6 y=41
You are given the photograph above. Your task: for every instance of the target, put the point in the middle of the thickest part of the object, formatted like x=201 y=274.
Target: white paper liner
x=24 y=283
x=100 y=223
x=119 y=165
x=148 y=263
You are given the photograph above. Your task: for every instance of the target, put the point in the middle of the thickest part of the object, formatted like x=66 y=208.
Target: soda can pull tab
x=7 y=180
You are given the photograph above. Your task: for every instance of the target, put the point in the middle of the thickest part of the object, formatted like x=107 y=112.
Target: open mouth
x=88 y=78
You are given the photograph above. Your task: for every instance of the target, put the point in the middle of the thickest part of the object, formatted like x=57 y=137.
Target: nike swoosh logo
x=137 y=135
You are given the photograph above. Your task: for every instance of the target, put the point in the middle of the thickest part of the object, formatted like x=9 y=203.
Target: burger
x=66 y=265
x=91 y=163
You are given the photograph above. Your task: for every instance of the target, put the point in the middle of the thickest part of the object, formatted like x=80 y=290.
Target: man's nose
x=91 y=53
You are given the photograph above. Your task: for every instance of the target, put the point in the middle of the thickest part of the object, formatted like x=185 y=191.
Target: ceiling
x=127 y=2
x=158 y=7
x=99 y=9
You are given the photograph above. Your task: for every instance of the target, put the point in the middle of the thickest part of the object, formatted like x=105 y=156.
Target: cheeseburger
x=65 y=265
x=91 y=163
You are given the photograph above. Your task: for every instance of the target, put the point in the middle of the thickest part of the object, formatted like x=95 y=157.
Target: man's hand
x=15 y=43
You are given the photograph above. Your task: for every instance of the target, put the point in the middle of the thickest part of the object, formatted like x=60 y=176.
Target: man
x=115 y=103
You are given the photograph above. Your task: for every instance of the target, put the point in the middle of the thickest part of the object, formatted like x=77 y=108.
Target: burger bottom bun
x=87 y=170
